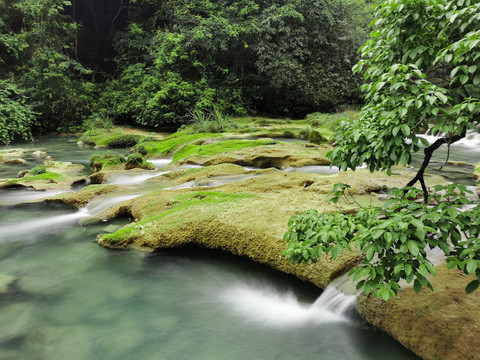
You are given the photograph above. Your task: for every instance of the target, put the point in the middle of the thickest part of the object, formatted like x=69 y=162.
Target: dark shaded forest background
x=151 y=63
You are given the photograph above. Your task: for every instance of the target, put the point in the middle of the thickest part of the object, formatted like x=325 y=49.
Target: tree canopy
x=421 y=67
x=151 y=62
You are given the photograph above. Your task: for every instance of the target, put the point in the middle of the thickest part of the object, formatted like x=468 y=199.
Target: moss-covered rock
x=443 y=324
x=167 y=146
x=136 y=160
x=278 y=156
x=117 y=137
x=101 y=161
x=52 y=175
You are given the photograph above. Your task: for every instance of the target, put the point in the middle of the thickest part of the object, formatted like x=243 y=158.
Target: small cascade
x=133 y=179
x=315 y=169
x=41 y=225
x=335 y=301
x=211 y=182
x=13 y=197
x=271 y=308
x=471 y=140
x=159 y=163
x=103 y=204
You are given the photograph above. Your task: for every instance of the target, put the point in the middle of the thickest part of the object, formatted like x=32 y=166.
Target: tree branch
x=428 y=156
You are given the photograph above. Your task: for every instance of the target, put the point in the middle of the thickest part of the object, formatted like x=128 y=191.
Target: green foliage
x=421 y=68
x=330 y=121
x=286 y=57
x=395 y=239
x=16 y=117
x=211 y=122
x=421 y=71
x=36 y=43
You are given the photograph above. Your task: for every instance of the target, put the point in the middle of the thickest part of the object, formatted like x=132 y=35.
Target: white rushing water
x=270 y=308
x=50 y=224
x=135 y=179
x=471 y=140
x=19 y=196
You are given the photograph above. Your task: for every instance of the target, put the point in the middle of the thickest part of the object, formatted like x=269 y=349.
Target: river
x=71 y=299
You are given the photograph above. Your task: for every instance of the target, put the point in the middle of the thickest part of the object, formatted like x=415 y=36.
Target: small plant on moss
x=316 y=138
x=99 y=120
x=211 y=122
x=37 y=170
x=288 y=134
x=304 y=133
x=141 y=149
x=136 y=160
x=98 y=161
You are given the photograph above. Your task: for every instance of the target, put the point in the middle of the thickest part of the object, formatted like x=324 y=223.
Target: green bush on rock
x=136 y=160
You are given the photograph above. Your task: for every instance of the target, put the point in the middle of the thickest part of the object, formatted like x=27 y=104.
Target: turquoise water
x=68 y=298
x=75 y=300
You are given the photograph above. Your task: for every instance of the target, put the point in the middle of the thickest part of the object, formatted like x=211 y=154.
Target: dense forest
x=151 y=63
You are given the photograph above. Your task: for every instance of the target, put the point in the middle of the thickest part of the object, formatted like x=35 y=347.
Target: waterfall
x=269 y=307
x=471 y=140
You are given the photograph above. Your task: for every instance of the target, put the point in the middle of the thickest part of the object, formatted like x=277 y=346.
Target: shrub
x=125 y=141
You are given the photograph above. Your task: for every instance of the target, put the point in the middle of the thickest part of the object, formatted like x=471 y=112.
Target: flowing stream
x=68 y=298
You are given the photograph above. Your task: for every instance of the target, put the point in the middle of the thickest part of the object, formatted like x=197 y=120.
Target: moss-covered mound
x=167 y=146
x=53 y=175
x=117 y=137
x=215 y=148
x=443 y=324
x=247 y=218
x=278 y=156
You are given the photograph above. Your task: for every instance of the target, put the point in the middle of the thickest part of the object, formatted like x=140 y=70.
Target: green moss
x=136 y=160
x=171 y=143
x=101 y=161
x=180 y=202
x=37 y=170
x=116 y=137
x=44 y=176
x=219 y=147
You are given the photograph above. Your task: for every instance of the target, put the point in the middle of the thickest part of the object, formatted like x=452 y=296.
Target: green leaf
x=417 y=286
x=413 y=247
x=471 y=266
x=472 y=286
